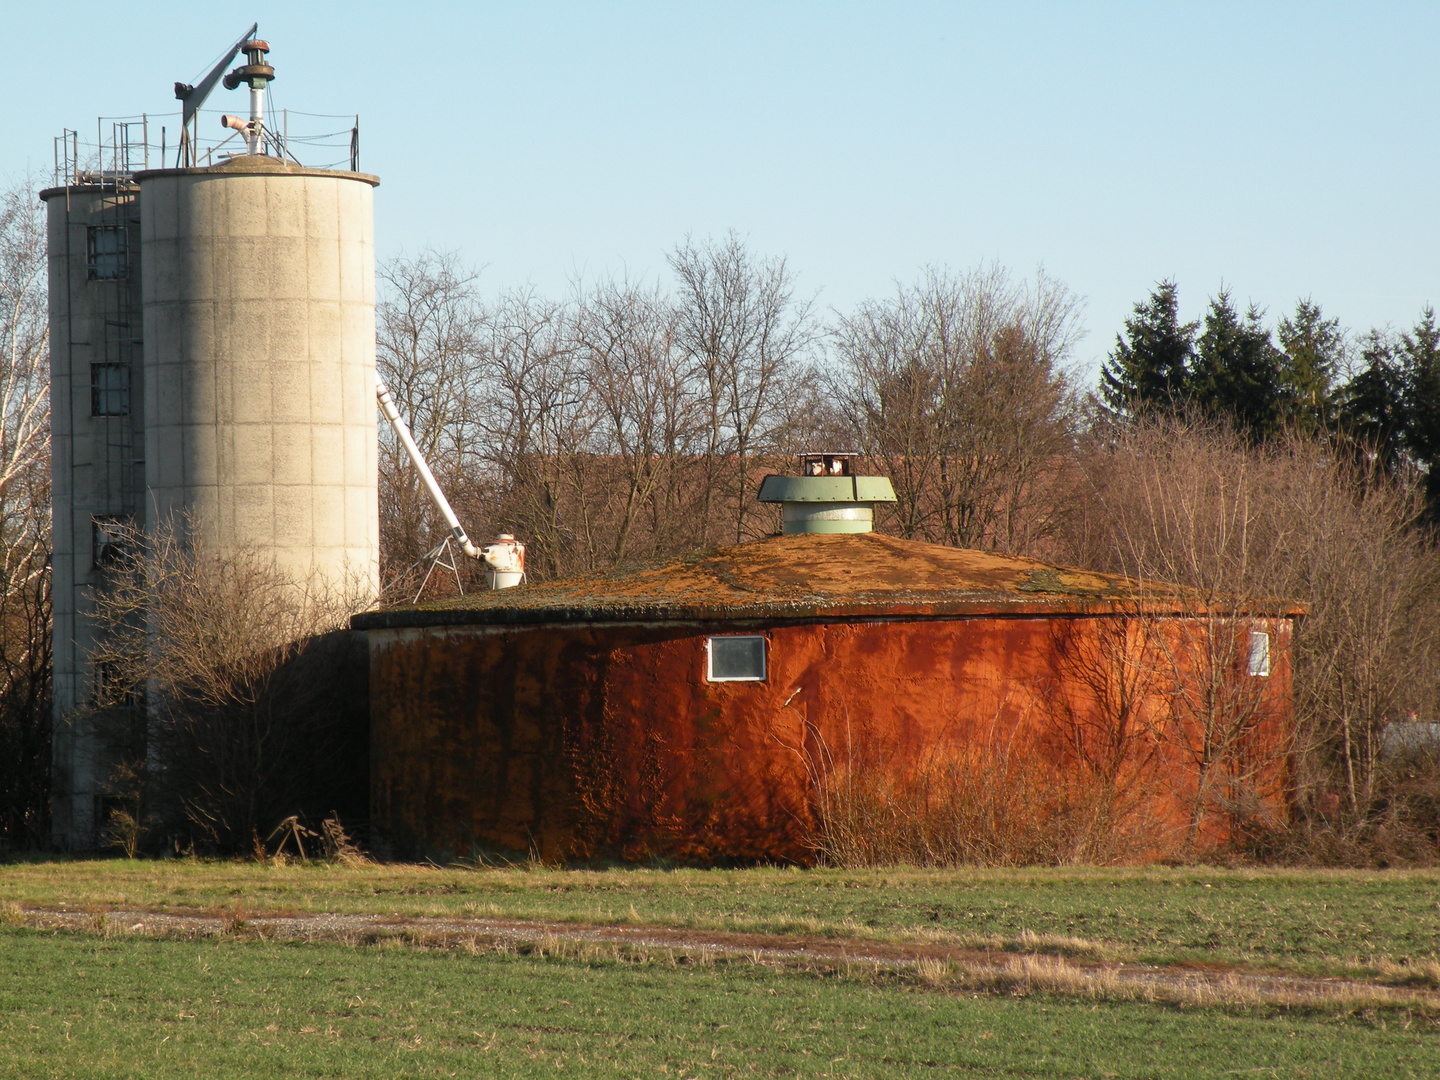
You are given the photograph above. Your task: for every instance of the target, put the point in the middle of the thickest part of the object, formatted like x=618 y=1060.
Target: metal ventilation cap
x=827 y=497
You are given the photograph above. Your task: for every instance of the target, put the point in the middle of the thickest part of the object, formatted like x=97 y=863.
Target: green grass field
x=1301 y=920
x=77 y=1005
x=73 y=1006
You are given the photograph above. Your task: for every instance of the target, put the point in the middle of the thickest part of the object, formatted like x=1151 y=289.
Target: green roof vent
x=827 y=496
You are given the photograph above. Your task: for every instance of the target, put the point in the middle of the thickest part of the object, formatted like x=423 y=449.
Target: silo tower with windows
x=213 y=345
x=97 y=434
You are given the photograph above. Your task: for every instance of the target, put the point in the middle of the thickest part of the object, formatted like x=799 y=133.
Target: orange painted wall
x=590 y=742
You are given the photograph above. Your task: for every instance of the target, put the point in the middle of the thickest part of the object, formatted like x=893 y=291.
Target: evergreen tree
x=1419 y=355
x=1237 y=371
x=1150 y=365
x=1312 y=354
x=1372 y=406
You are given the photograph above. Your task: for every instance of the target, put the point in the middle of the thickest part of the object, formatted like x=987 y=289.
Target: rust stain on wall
x=607 y=741
x=574 y=719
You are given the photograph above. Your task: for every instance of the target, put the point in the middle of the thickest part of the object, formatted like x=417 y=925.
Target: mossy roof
x=810 y=576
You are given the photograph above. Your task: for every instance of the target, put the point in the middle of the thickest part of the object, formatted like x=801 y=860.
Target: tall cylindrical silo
x=259 y=363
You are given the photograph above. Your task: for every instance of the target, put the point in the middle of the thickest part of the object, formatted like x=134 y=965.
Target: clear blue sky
x=1287 y=150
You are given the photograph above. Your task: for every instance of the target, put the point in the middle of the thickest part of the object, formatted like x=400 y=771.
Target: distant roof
x=808 y=576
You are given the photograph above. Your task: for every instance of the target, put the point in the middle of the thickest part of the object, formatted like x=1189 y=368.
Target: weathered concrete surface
x=259 y=295
x=583 y=741
x=97 y=471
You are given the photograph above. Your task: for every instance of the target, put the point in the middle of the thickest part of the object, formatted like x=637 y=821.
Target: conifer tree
x=1419 y=354
x=1372 y=402
x=1312 y=355
x=1150 y=366
x=1237 y=372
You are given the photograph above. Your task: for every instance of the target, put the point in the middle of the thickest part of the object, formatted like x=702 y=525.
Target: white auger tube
x=402 y=432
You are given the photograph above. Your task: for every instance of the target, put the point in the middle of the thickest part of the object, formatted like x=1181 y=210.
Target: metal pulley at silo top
x=257 y=74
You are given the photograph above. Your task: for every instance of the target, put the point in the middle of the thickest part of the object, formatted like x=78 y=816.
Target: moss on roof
x=808 y=576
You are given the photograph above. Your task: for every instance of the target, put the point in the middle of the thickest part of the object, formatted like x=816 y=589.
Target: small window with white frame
x=737 y=658
x=1259 y=660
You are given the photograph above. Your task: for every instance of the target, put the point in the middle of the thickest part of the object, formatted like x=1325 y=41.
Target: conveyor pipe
x=402 y=432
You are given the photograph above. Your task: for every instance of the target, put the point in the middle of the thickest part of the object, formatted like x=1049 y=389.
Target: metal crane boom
x=192 y=97
x=402 y=432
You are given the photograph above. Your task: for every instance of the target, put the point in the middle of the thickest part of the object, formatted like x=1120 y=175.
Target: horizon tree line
x=1380 y=392
x=631 y=421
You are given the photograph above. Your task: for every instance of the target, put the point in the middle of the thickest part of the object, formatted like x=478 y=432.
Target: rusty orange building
x=719 y=707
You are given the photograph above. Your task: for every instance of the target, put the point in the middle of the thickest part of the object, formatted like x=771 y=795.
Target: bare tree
x=647 y=415
x=1195 y=505
x=957 y=389
x=24 y=522
x=247 y=684
x=625 y=423
x=745 y=333
x=1368 y=652
x=428 y=330
x=534 y=425
x=1199 y=519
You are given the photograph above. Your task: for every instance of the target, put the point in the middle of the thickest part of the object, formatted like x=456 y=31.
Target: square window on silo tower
x=107 y=252
x=111 y=539
x=736 y=659
x=109 y=389
x=113 y=683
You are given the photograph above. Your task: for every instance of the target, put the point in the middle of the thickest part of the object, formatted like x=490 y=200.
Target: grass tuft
x=1418 y=974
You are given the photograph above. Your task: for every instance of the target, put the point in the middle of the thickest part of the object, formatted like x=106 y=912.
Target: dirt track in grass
x=1045 y=964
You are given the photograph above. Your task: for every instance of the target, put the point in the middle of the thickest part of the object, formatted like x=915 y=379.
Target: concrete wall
x=608 y=741
x=97 y=471
x=259 y=294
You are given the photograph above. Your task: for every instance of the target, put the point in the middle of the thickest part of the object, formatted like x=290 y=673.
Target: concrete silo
x=258 y=291
x=213 y=344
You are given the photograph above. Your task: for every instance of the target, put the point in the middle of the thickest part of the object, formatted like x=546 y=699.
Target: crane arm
x=192 y=97
x=402 y=432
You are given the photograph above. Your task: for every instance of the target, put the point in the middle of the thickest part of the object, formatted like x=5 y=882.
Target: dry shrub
x=1105 y=758
x=1196 y=505
x=1107 y=714
x=1166 y=705
x=128 y=821
x=338 y=846
x=994 y=799
x=1400 y=825
x=253 y=696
